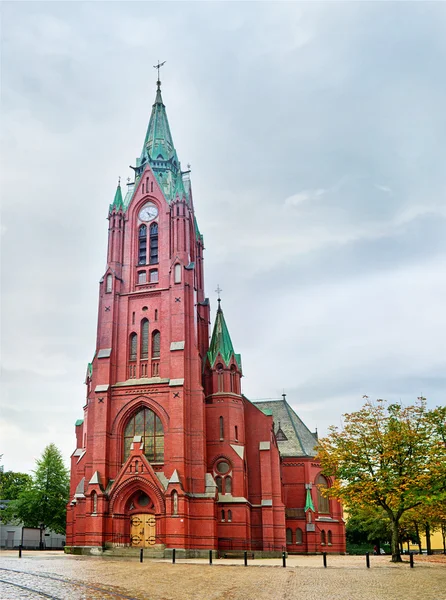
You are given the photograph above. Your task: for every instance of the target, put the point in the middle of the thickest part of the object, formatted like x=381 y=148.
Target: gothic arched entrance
x=141 y=511
x=142 y=530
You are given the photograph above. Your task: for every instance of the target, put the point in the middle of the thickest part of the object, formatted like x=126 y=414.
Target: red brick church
x=170 y=453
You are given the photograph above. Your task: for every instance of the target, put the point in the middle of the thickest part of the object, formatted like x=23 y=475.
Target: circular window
x=143 y=500
x=145 y=308
x=223 y=467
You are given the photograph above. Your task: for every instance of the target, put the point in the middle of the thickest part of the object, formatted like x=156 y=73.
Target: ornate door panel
x=142 y=530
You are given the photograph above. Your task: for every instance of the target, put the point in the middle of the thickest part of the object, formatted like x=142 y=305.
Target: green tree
x=388 y=456
x=12 y=483
x=43 y=502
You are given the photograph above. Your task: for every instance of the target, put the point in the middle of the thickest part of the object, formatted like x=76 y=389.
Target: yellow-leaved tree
x=390 y=456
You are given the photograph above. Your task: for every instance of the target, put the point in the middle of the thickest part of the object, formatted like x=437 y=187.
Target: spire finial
x=158 y=66
x=119 y=181
x=284 y=396
x=219 y=290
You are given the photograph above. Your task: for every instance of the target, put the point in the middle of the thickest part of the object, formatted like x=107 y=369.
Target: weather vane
x=158 y=66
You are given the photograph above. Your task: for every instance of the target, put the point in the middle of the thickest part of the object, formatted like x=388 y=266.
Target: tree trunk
x=417 y=531
x=395 y=545
x=428 y=538
x=443 y=535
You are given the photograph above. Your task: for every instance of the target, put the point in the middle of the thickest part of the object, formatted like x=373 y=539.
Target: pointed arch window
x=174 y=502
x=133 y=346
x=323 y=538
x=94 y=503
x=329 y=537
x=109 y=284
x=149 y=426
x=228 y=485
x=156 y=344
x=222 y=428
x=233 y=380
x=323 y=504
x=299 y=537
x=223 y=515
x=145 y=338
x=142 y=245
x=229 y=516
x=153 y=243
x=220 y=375
x=289 y=536
x=218 y=482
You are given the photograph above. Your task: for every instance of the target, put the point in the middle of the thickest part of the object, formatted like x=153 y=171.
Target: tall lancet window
x=145 y=338
x=153 y=243
x=156 y=344
x=142 y=245
x=133 y=346
x=323 y=503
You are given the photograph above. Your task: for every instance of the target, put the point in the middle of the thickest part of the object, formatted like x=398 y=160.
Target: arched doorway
x=142 y=530
x=142 y=520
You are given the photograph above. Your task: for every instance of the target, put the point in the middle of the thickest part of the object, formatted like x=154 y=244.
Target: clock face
x=148 y=212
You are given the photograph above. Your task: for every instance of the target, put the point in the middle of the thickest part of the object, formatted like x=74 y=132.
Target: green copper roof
x=79 y=422
x=159 y=152
x=221 y=342
x=117 y=202
x=309 y=501
x=158 y=143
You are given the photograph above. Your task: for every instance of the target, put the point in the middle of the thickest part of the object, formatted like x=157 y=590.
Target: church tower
x=142 y=440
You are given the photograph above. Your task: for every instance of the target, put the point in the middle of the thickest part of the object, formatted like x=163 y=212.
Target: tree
x=11 y=484
x=388 y=456
x=43 y=503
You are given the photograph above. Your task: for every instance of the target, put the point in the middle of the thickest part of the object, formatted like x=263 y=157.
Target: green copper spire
x=158 y=143
x=117 y=202
x=221 y=342
x=159 y=152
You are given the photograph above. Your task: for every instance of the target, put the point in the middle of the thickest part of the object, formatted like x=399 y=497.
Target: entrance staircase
x=155 y=551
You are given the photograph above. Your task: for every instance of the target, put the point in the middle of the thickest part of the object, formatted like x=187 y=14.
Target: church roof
x=158 y=143
x=117 y=202
x=221 y=342
x=294 y=439
x=159 y=152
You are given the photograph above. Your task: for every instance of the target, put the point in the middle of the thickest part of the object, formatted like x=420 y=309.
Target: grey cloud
x=337 y=294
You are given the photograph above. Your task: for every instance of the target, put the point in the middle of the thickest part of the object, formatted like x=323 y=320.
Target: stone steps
x=156 y=551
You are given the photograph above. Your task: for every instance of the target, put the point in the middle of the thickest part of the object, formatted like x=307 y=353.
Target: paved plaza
x=62 y=577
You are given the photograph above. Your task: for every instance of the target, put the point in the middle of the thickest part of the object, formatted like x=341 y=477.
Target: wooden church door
x=142 y=530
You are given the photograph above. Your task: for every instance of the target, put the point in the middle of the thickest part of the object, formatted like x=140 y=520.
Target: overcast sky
x=317 y=139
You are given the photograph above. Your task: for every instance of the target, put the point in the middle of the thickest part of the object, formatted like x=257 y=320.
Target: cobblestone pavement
x=63 y=577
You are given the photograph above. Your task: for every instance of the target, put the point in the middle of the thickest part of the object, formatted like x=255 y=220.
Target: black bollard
x=210 y=557
x=367 y=560
x=246 y=558
x=324 y=554
x=20 y=551
x=173 y=556
x=141 y=555
x=284 y=559
x=411 y=560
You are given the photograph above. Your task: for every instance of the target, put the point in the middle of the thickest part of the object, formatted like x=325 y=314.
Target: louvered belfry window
x=145 y=338
x=153 y=243
x=156 y=344
x=142 y=245
x=133 y=346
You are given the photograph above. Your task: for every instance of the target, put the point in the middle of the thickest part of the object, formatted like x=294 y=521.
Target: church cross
x=218 y=290
x=158 y=66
